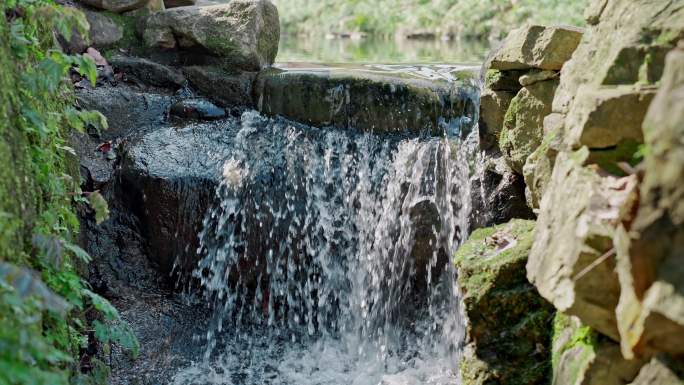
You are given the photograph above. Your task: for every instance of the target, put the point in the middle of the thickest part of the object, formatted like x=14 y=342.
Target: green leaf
x=102 y=305
x=119 y=333
x=26 y=285
x=86 y=67
x=99 y=205
x=78 y=252
x=68 y=149
x=95 y=119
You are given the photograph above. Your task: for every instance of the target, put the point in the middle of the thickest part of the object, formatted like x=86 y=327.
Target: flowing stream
x=325 y=258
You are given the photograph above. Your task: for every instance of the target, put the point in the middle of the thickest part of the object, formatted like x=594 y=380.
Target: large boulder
x=509 y=324
x=537 y=46
x=651 y=310
x=581 y=356
x=242 y=33
x=572 y=261
x=117 y=6
x=523 y=128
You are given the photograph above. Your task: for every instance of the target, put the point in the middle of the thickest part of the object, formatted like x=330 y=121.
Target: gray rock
x=242 y=34
x=148 y=72
x=498 y=195
x=117 y=6
x=577 y=222
x=539 y=166
x=104 y=32
x=537 y=46
x=606 y=116
x=227 y=89
x=126 y=110
x=615 y=51
x=651 y=310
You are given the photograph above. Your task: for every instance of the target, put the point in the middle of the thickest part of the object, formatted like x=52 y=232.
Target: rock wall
x=600 y=149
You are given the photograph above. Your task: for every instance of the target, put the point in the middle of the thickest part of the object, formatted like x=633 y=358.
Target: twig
x=593 y=265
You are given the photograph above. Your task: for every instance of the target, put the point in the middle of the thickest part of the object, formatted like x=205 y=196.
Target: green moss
x=569 y=334
x=509 y=323
x=480 y=261
x=627 y=151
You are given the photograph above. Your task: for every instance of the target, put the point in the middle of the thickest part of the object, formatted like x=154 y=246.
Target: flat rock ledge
x=369 y=101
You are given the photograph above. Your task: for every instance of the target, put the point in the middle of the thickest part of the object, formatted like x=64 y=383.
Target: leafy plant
x=43 y=299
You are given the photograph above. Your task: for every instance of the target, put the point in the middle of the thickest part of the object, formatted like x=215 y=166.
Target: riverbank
x=417 y=19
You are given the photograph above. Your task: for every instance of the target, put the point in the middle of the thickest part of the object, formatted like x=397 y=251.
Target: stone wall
x=597 y=137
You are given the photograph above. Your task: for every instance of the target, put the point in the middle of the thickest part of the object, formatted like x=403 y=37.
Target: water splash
x=326 y=258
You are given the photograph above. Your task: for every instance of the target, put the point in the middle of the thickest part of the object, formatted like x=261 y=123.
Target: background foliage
x=47 y=311
x=469 y=18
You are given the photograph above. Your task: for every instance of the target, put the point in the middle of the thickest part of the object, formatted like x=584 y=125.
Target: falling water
x=325 y=259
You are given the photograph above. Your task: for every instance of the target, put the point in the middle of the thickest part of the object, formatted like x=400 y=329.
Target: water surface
x=380 y=50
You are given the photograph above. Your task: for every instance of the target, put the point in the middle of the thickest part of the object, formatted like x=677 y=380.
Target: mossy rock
x=581 y=356
x=352 y=98
x=523 y=127
x=509 y=328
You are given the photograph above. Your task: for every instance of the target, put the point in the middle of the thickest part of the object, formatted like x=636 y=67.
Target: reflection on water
x=378 y=50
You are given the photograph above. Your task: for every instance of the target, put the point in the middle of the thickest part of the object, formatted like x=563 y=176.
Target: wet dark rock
x=498 y=196
x=97 y=169
x=148 y=72
x=197 y=109
x=179 y=3
x=122 y=272
x=227 y=89
x=368 y=101
x=170 y=190
x=126 y=110
x=426 y=221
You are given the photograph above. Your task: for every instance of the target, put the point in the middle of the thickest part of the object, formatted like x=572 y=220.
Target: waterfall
x=326 y=258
